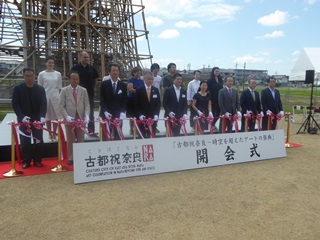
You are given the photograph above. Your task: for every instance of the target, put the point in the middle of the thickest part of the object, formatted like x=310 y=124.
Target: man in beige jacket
x=74 y=104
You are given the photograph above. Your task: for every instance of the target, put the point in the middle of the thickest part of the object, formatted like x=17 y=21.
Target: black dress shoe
x=25 y=165
x=37 y=164
x=70 y=162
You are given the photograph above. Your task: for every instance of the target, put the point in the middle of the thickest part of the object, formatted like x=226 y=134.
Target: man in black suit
x=250 y=105
x=113 y=97
x=29 y=103
x=175 y=103
x=229 y=103
x=147 y=104
x=271 y=103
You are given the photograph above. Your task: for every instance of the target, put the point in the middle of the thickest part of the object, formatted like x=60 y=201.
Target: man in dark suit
x=29 y=103
x=271 y=103
x=175 y=103
x=250 y=105
x=88 y=79
x=147 y=103
x=113 y=97
x=229 y=103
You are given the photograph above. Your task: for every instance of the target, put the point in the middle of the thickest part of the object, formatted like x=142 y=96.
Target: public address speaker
x=309 y=76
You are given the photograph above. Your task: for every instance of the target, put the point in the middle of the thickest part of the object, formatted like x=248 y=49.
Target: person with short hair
x=133 y=84
x=147 y=104
x=229 y=103
x=51 y=80
x=168 y=79
x=175 y=103
x=29 y=103
x=271 y=103
x=250 y=105
x=113 y=97
x=74 y=104
x=88 y=79
x=193 y=87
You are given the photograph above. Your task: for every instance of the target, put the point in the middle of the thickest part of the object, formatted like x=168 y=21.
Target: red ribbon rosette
x=210 y=121
x=235 y=121
x=78 y=123
x=271 y=117
x=38 y=125
x=117 y=123
x=149 y=123
x=183 y=122
x=259 y=117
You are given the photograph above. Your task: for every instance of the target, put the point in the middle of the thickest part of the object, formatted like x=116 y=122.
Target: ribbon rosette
x=210 y=121
x=149 y=123
x=259 y=117
x=234 y=120
x=117 y=123
x=37 y=125
x=78 y=123
x=183 y=122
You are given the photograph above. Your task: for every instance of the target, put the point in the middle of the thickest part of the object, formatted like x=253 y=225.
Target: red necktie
x=75 y=96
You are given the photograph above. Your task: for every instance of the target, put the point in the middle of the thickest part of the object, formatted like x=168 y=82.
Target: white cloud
x=296 y=52
x=311 y=2
x=190 y=24
x=274 y=34
x=294 y=59
x=169 y=33
x=247 y=1
x=250 y=59
x=276 y=18
x=154 y=21
x=278 y=61
x=210 y=10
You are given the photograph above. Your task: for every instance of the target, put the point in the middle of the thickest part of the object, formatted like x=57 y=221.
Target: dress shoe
x=25 y=165
x=70 y=162
x=37 y=164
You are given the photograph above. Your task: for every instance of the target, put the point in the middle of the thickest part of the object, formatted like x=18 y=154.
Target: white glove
x=42 y=120
x=199 y=113
x=86 y=119
x=26 y=119
x=282 y=113
x=210 y=114
x=122 y=116
x=69 y=119
x=142 y=117
x=155 y=118
x=171 y=114
x=239 y=114
x=108 y=115
x=249 y=112
x=262 y=115
x=227 y=114
x=184 y=116
x=269 y=112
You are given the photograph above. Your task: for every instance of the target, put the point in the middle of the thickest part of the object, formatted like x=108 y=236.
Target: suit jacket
x=247 y=103
x=23 y=105
x=171 y=104
x=110 y=102
x=141 y=104
x=67 y=105
x=268 y=103
x=227 y=103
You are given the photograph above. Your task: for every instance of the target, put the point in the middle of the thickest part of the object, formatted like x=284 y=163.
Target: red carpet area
x=48 y=164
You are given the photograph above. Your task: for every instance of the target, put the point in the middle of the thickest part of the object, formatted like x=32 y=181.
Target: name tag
x=183 y=96
x=154 y=96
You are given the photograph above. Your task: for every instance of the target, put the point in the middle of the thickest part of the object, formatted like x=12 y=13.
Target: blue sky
x=264 y=34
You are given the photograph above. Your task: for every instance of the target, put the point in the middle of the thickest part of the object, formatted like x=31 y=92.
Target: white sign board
x=97 y=161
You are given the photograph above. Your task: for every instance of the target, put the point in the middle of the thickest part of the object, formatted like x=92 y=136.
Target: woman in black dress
x=202 y=104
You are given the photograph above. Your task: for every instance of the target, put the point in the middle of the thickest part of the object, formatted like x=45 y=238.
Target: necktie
x=253 y=95
x=230 y=92
x=148 y=93
x=114 y=88
x=75 y=96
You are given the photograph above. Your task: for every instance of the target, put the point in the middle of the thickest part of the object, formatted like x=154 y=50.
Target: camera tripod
x=310 y=119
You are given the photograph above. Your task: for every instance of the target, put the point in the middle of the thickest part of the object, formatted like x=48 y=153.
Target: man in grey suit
x=229 y=103
x=74 y=104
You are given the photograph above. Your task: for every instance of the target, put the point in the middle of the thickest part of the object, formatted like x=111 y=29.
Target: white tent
x=309 y=59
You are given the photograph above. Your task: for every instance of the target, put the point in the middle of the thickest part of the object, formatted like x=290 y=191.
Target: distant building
x=8 y=62
x=283 y=79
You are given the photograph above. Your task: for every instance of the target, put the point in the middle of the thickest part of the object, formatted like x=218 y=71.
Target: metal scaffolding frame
x=105 y=29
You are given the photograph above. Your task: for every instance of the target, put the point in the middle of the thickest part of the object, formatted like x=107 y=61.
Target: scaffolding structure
x=105 y=29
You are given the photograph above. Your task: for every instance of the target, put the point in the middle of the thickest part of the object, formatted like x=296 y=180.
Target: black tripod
x=307 y=123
